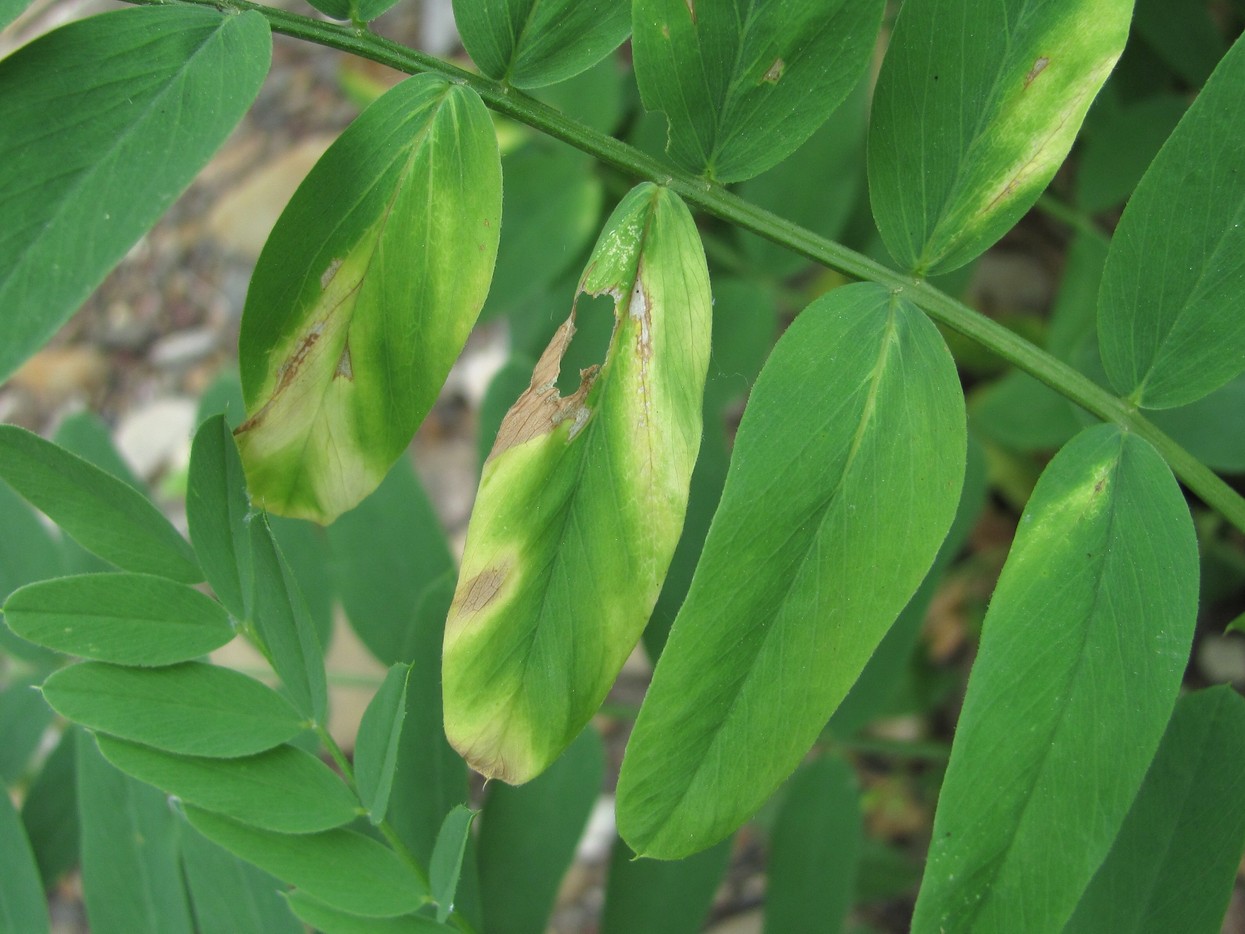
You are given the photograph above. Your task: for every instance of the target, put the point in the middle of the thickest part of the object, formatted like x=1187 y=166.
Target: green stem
x=716 y=200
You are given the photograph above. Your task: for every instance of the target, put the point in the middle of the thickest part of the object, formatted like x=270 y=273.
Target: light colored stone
x=156 y=436
x=243 y=218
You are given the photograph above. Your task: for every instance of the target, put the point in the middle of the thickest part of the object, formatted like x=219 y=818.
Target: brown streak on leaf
x=286 y=374
x=691 y=8
x=1038 y=67
x=775 y=72
x=478 y=592
x=539 y=409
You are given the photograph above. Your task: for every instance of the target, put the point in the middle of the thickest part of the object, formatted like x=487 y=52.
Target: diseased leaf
x=1169 y=322
x=744 y=82
x=341 y=868
x=283 y=789
x=844 y=480
x=103 y=514
x=547 y=611
x=192 y=708
x=1040 y=780
x=379 y=740
x=128 y=619
x=364 y=296
x=97 y=145
x=975 y=109
x=531 y=43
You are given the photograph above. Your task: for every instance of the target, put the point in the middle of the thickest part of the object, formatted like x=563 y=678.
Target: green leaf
x=50 y=811
x=1169 y=322
x=191 y=709
x=883 y=675
x=845 y=477
x=430 y=776
x=1184 y=36
x=9 y=11
x=1040 y=779
x=814 y=851
x=1173 y=864
x=743 y=84
x=386 y=552
x=341 y=868
x=1212 y=429
x=103 y=514
x=1119 y=147
x=231 y=896
x=378 y=742
x=22 y=905
x=128 y=619
x=23 y=718
x=283 y=789
x=131 y=873
x=975 y=108
x=330 y=920
x=833 y=153
x=357 y=11
x=531 y=43
x=284 y=625
x=116 y=89
x=744 y=329
x=552 y=206
x=546 y=612
x=304 y=548
x=364 y=295
x=216 y=510
x=661 y=897
x=447 y=858
x=528 y=837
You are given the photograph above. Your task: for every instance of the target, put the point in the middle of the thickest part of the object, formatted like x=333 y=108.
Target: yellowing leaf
x=581 y=504
x=364 y=296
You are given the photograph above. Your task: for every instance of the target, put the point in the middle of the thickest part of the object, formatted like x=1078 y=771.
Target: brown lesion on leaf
x=286 y=374
x=475 y=594
x=775 y=72
x=1039 y=66
x=691 y=9
x=540 y=409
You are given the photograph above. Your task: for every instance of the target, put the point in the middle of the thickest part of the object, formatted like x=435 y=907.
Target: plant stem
x=718 y=201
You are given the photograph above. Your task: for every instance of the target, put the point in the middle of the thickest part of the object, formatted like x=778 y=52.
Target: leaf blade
x=1106 y=547
x=724 y=700
x=96 y=185
x=992 y=120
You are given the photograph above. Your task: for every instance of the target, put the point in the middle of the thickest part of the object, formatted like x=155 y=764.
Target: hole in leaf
x=594 y=324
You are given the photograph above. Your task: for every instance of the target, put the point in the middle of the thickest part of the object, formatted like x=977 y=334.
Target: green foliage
x=784 y=524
